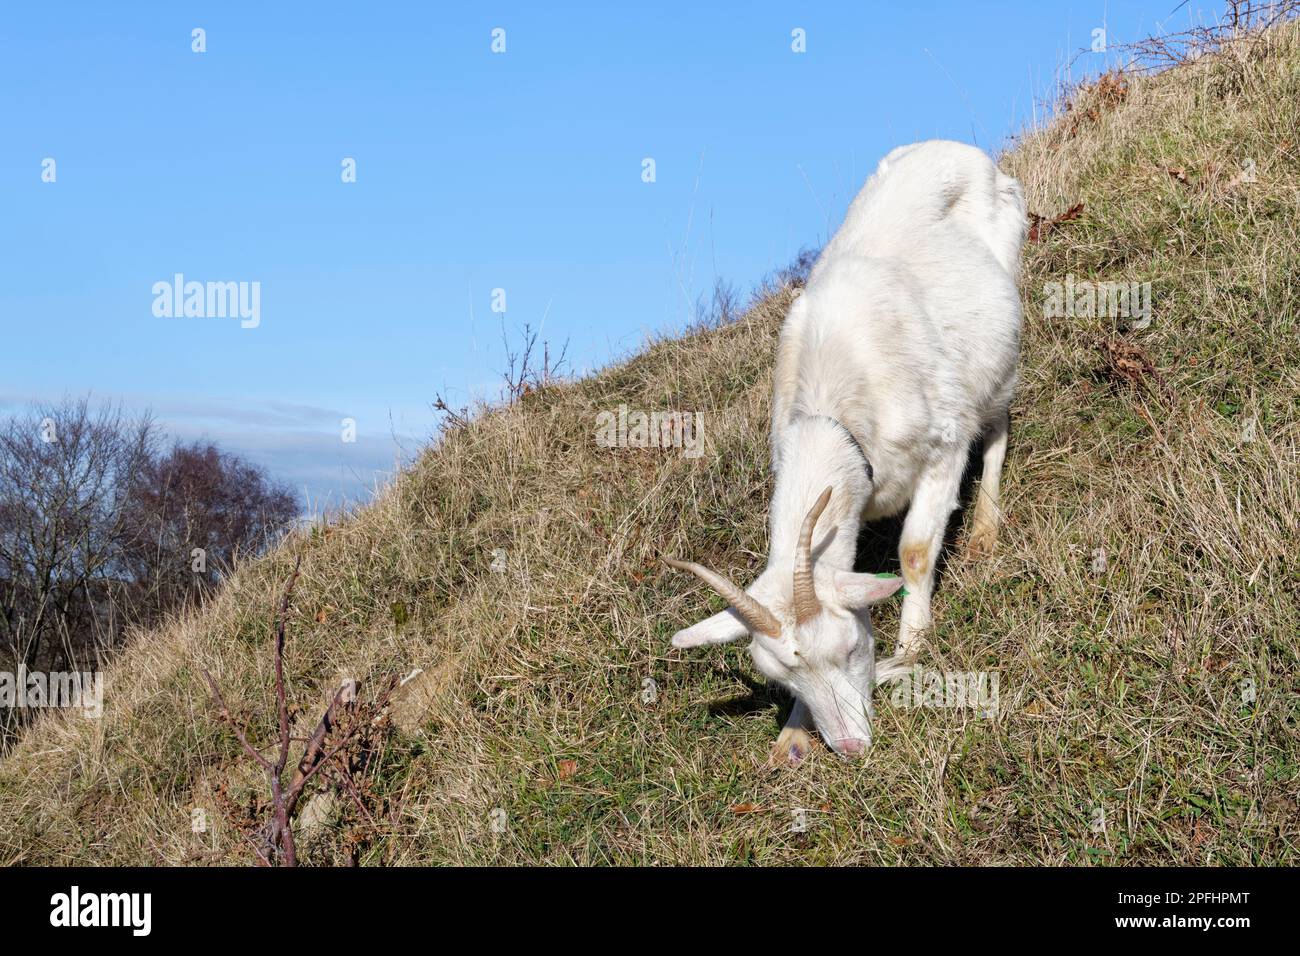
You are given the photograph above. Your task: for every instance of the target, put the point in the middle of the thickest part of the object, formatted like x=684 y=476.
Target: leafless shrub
x=338 y=747
x=1242 y=21
x=456 y=417
x=721 y=307
x=525 y=370
x=796 y=273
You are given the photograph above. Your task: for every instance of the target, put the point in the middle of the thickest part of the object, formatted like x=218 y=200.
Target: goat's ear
x=860 y=590
x=722 y=628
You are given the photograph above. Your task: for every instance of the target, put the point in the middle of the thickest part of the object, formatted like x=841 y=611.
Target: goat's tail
x=1010 y=222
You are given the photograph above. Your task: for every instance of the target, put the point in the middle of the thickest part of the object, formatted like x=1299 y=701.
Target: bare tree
x=192 y=512
x=65 y=474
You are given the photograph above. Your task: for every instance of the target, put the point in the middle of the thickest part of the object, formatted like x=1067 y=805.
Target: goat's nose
x=851 y=746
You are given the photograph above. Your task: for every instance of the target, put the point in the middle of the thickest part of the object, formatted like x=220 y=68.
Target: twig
x=224 y=714
x=345 y=777
x=458 y=419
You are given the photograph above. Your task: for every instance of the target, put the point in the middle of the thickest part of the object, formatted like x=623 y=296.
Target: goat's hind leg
x=988 y=514
x=794 y=741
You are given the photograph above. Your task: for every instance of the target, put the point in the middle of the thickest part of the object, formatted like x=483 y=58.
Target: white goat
x=900 y=352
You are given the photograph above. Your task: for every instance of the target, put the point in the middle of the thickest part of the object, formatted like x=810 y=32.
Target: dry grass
x=1121 y=689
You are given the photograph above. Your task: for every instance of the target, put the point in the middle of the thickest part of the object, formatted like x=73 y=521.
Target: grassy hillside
x=1148 y=708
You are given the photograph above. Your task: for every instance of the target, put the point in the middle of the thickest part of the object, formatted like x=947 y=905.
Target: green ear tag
x=902 y=592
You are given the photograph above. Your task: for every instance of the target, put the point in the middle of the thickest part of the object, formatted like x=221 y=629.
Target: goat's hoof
x=982 y=542
x=791 y=747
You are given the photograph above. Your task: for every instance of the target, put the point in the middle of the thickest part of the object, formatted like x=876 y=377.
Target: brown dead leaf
x=1126 y=362
x=1108 y=92
x=899 y=840
x=1179 y=174
x=567 y=769
x=1040 y=226
x=743 y=808
x=648 y=566
x=1112 y=88
x=1201 y=832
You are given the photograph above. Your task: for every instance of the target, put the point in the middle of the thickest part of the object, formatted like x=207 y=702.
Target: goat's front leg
x=795 y=739
x=923 y=530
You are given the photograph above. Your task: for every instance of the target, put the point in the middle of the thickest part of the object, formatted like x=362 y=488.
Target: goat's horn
x=806 y=605
x=757 y=617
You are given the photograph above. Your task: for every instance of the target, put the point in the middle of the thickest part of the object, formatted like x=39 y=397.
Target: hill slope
x=1148 y=701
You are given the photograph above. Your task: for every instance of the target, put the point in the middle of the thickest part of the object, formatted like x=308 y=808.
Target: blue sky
x=475 y=171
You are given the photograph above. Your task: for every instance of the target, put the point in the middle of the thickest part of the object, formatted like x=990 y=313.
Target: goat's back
x=936 y=186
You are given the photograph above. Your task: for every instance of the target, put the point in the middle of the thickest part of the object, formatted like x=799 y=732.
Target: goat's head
x=811 y=634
